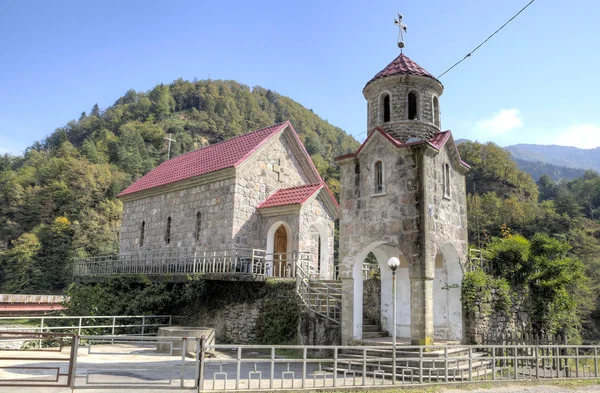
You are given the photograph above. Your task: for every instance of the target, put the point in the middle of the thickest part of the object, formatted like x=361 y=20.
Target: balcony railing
x=252 y=262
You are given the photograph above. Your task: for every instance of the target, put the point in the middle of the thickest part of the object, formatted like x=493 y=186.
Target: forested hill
x=58 y=200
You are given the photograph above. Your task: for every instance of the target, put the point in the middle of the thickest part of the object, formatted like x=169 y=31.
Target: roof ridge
x=235 y=137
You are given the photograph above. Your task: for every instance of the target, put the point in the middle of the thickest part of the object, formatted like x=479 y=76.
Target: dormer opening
x=412 y=105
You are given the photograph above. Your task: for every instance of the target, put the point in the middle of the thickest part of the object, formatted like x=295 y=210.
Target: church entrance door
x=280 y=249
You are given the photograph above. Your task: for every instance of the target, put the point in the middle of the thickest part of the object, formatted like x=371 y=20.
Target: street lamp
x=393 y=263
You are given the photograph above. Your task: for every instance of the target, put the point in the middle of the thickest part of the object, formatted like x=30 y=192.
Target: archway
x=319 y=249
x=383 y=251
x=447 y=306
x=279 y=248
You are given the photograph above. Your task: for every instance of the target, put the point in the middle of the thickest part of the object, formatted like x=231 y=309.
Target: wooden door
x=280 y=250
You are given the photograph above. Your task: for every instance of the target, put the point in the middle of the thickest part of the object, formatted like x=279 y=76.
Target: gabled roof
x=291 y=196
x=226 y=154
x=437 y=142
x=297 y=196
x=401 y=65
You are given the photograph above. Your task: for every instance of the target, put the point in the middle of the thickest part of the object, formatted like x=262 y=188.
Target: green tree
x=21 y=272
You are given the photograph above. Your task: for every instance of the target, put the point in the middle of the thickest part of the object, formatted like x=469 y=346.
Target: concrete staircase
x=372 y=329
x=415 y=365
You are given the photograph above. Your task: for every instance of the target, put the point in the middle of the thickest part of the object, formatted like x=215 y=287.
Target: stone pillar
x=347 y=310
x=421 y=311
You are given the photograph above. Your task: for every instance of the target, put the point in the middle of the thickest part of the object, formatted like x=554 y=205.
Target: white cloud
x=500 y=123
x=583 y=136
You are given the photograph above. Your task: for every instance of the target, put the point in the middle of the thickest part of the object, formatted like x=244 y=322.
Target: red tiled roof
x=291 y=196
x=437 y=142
x=208 y=159
x=401 y=65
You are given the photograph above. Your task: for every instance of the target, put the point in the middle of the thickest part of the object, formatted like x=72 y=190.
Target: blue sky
x=534 y=82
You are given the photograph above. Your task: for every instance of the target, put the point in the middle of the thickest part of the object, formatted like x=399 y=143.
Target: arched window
x=198 y=225
x=387 y=110
x=168 y=231
x=378 y=179
x=142 y=233
x=412 y=106
x=446 y=170
x=436 y=111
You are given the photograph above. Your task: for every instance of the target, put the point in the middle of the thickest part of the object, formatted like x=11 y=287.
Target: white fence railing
x=100 y=324
x=224 y=262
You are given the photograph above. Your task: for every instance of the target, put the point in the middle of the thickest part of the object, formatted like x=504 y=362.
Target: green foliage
x=554 y=283
x=197 y=299
x=278 y=321
x=20 y=271
x=476 y=291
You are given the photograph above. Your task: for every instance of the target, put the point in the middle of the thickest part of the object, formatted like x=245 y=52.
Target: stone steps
x=432 y=366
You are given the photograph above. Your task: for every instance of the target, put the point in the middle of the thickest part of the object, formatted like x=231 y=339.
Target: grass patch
x=21 y=321
x=564 y=383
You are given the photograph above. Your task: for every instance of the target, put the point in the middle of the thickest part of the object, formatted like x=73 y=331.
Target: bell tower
x=403 y=98
x=403 y=195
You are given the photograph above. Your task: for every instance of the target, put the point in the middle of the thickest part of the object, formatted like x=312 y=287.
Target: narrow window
x=378 y=177
x=142 y=233
x=168 y=231
x=386 y=108
x=198 y=225
x=446 y=170
x=436 y=111
x=412 y=106
x=356 y=179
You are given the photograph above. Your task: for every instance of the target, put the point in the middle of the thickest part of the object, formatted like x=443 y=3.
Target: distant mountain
x=558 y=162
x=565 y=156
x=537 y=169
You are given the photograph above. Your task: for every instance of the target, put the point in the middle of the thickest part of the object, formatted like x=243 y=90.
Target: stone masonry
x=418 y=214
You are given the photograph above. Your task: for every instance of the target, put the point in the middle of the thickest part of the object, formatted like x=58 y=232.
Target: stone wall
x=248 y=312
x=485 y=321
x=398 y=87
x=316 y=330
x=315 y=216
x=236 y=322
x=256 y=181
x=372 y=299
x=213 y=200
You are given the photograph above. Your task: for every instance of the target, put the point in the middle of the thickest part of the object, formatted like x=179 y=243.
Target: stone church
x=403 y=195
x=258 y=191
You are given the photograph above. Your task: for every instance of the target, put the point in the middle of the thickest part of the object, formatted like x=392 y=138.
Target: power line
x=486 y=40
x=477 y=47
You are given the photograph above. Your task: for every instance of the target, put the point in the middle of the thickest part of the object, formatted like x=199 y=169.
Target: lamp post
x=393 y=263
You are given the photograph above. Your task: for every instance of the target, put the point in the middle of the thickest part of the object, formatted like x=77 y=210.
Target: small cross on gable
x=279 y=169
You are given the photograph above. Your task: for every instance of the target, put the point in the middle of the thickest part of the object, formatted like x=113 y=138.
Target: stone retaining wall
x=486 y=321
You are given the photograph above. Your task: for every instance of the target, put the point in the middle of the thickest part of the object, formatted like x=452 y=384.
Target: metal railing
x=239 y=261
x=101 y=324
x=137 y=363
x=322 y=298
x=314 y=367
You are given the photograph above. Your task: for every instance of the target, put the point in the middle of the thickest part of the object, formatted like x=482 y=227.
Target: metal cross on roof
x=401 y=26
x=169 y=148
